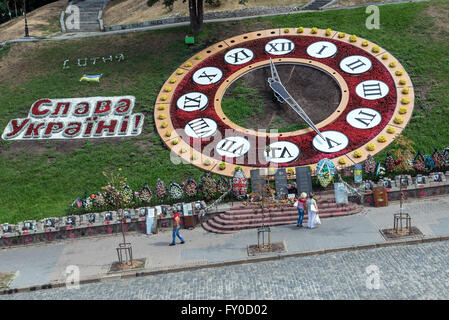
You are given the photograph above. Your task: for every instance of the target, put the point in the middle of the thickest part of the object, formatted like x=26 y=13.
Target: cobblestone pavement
x=399 y=272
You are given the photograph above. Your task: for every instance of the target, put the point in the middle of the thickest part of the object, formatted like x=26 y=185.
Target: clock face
x=351 y=93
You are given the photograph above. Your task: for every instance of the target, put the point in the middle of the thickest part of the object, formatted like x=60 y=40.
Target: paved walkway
x=400 y=272
x=39 y=265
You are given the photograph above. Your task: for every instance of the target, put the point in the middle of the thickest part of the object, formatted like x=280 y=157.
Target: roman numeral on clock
x=322 y=49
x=239 y=56
x=279 y=46
x=363 y=118
x=282 y=152
x=334 y=141
x=201 y=128
x=372 y=89
x=355 y=64
x=210 y=77
x=192 y=101
x=207 y=75
x=233 y=147
x=366 y=121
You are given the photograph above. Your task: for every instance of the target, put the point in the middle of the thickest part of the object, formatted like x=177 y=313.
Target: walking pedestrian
x=176 y=228
x=312 y=211
x=300 y=203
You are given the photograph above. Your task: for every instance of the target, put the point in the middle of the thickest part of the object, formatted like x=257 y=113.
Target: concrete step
x=221 y=226
x=233 y=218
x=258 y=210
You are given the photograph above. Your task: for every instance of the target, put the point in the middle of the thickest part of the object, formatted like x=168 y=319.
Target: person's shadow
x=161 y=244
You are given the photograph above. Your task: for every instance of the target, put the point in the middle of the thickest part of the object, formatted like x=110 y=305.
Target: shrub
x=151 y=2
x=358 y=154
x=169 y=4
x=370 y=146
x=213 y=3
x=391 y=130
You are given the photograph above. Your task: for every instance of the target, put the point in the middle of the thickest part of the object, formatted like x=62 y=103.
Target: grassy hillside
x=41 y=22
x=41 y=179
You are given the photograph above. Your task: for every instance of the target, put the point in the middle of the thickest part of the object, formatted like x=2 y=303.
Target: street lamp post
x=26 y=22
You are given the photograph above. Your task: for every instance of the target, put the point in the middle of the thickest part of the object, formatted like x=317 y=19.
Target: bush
x=169 y=4
x=213 y=3
x=151 y=2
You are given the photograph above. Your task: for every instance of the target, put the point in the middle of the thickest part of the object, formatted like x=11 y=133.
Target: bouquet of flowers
x=438 y=159
x=88 y=203
x=99 y=200
x=145 y=193
x=370 y=165
x=390 y=163
x=127 y=194
x=419 y=164
x=324 y=179
x=190 y=187
x=208 y=186
x=223 y=185
x=161 y=190
x=175 y=191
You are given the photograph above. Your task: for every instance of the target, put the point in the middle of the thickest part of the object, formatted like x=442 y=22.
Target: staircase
x=242 y=217
x=316 y=4
x=89 y=10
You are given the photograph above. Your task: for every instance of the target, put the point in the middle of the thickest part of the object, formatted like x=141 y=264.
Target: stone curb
x=166 y=270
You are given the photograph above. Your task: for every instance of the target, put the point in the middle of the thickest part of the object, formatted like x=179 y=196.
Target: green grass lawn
x=41 y=179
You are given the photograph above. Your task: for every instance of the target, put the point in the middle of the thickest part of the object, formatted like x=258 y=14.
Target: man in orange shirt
x=176 y=228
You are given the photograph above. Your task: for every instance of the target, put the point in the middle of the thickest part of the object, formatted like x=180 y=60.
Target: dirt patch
x=440 y=18
x=276 y=247
x=297 y=79
x=41 y=22
x=132 y=11
x=136 y=264
x=392 y=234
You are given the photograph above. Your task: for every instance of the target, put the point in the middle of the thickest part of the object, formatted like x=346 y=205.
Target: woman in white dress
x=312 y=210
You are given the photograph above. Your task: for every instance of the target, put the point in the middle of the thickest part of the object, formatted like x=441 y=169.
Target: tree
x=196 y=15
x=116 y=184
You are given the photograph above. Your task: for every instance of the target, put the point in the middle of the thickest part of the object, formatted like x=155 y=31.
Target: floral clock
x=336 y=96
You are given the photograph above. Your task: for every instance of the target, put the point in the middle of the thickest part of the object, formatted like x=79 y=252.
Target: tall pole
x=26 y=22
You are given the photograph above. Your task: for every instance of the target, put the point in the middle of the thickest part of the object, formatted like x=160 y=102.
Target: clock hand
x=279 y=89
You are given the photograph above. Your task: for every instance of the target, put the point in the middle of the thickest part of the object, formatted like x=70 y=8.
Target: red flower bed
x=357 y=137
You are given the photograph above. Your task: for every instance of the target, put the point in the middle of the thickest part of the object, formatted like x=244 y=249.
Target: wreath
x=175 y=191
x=145 y=193
x=190 y=187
